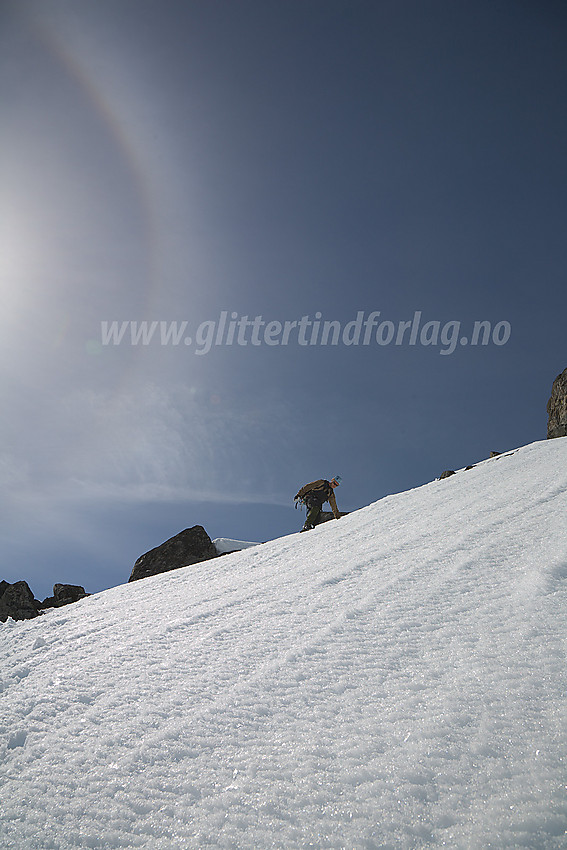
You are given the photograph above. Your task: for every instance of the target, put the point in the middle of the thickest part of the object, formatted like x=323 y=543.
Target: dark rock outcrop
x=446 y=474
x=557 y=408
x=17 y=601
x=64 y=594
x=325 y=516
x=188 y=547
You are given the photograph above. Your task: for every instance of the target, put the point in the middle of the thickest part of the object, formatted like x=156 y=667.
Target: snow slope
x=392 y=680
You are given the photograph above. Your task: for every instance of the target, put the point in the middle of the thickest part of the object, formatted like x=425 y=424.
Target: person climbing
x=314 y=495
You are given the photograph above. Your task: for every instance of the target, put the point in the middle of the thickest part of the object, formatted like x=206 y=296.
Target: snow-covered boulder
x=224 y=545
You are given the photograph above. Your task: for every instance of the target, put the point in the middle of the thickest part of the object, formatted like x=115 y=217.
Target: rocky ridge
x=557 y=408
x=18 y=602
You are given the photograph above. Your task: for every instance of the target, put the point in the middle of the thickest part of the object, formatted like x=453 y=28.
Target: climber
x=314 y=495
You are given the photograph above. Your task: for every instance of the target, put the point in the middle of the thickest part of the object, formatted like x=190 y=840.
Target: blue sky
x=171 y=162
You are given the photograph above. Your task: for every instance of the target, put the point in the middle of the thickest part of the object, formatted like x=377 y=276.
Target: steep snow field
x=395 y=679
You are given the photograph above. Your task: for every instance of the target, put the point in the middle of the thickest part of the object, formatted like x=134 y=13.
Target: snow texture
x=394 y=679
x=223 y=545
